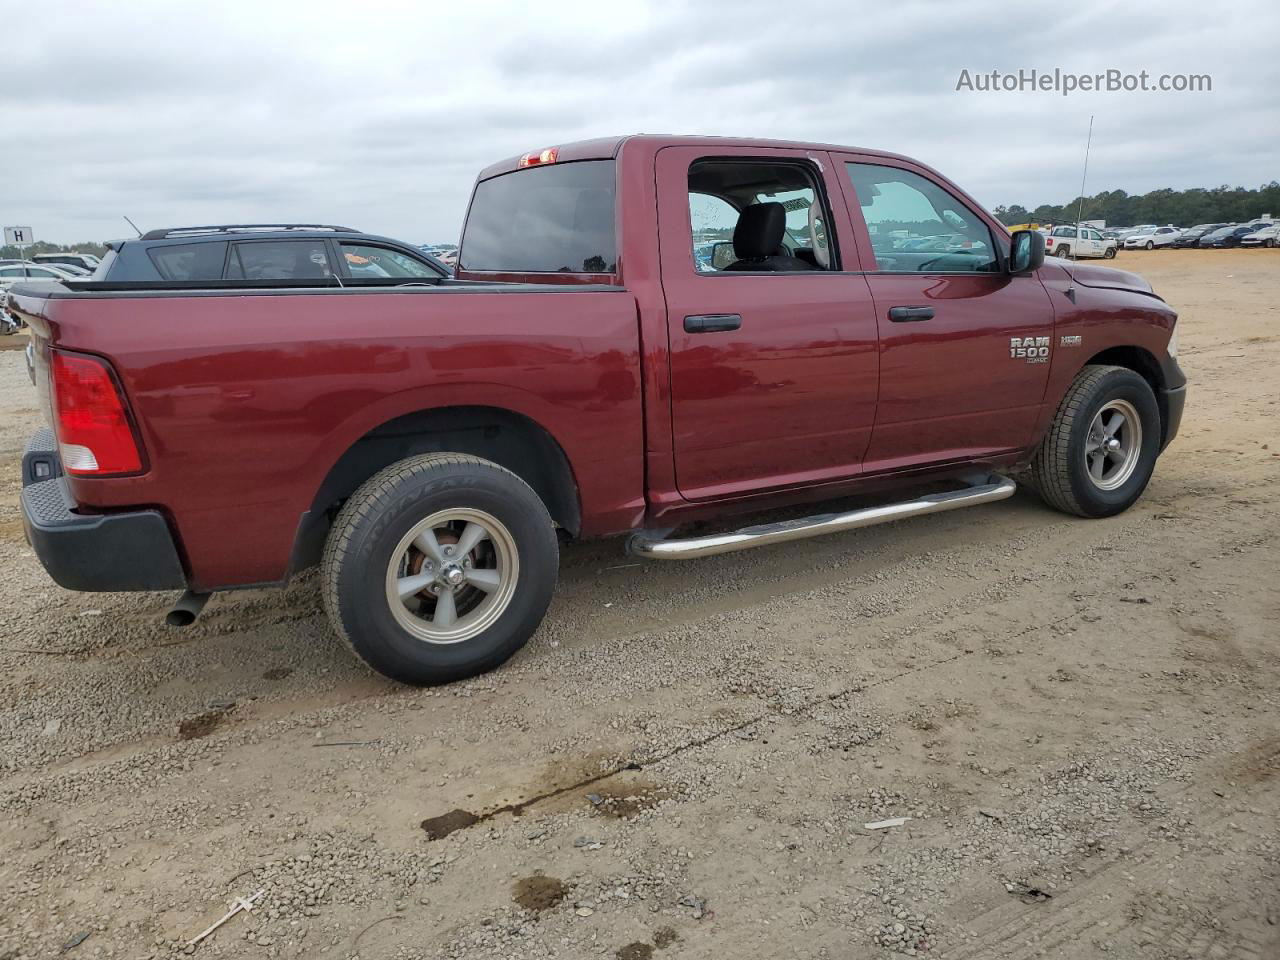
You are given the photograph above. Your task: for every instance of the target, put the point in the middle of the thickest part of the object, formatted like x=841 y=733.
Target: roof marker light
x=539 y=157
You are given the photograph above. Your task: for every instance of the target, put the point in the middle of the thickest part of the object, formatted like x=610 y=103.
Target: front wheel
x=439 y=567
x=1150 y=245
x=1109 y=253
x=1102 y=446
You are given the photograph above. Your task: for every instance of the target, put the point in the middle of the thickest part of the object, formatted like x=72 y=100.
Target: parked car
x=441 y=251
x=86 y=261
x=15 y=272
x=74 y=270
x=1226 y=236
x=265 y=253
x=1079 y=242
x=1190 y=237
x=430 y=446
x=1151 y=238
x=1125 y=233
x=1267 y=236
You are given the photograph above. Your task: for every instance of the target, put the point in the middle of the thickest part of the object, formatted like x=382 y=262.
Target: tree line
x=11 y=252
x=1182 y=208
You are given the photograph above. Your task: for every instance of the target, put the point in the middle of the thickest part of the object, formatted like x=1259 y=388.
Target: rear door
x=773 y=371
x=964 y=347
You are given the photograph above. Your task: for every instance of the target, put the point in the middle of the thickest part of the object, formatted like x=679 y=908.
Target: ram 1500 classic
x=642 y=332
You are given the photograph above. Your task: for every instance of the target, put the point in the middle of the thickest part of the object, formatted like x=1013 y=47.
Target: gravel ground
x=1078 y=719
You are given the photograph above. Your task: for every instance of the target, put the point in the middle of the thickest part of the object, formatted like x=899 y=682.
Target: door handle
x=712 y=323
x=910 y=314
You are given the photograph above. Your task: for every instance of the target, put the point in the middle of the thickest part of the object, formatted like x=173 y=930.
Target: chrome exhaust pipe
x=187 y=608
x=656 y=547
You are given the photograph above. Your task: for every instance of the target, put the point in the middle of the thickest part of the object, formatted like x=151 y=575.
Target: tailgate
x=31 y=303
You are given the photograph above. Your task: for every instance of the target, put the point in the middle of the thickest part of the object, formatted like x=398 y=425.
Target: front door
x=964 y=347
x=772 y=351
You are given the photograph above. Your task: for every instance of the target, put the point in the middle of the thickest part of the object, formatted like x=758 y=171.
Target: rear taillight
x=95 y=437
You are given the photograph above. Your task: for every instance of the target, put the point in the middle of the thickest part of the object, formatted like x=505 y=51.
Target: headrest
x=759 y=231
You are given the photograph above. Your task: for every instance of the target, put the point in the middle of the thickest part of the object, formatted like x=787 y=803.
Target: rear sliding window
x=552 y=219
x=189 y=261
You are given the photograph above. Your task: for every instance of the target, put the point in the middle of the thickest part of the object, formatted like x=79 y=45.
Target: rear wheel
x=1063 y=252
x=1102 y=446
x=439 y=567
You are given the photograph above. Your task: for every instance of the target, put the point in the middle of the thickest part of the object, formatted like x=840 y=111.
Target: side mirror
x=1026 y=252
x=722 y=255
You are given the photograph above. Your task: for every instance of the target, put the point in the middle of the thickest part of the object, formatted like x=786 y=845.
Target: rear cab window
x=558 y=218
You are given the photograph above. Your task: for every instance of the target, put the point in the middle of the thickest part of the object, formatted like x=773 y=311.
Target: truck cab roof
x=603 y=148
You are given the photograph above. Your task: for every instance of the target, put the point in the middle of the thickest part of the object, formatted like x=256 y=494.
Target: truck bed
x=246 y=395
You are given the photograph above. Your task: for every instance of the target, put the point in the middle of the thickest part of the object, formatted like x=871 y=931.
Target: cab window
x=557 y=218
x=917 y=226
x=756 y=216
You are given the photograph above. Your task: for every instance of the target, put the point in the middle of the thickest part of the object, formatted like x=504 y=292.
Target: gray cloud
x=380 y=115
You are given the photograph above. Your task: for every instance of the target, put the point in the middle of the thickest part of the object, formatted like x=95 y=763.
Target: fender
x=1121 y=323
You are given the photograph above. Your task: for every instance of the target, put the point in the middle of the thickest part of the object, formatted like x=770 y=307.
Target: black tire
x=1150 y=245
x=1058 y=468
x=369 y=530
x=1109 y=253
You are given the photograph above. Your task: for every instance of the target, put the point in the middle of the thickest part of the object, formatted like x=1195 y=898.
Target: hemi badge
x=1071 y=341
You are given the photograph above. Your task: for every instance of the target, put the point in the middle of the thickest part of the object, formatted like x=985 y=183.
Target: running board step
x=658 y=548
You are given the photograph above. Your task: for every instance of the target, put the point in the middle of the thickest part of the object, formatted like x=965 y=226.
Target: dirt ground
x=1078 y=717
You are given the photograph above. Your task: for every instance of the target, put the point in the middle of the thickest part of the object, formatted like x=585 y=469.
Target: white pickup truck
x=1078 y=242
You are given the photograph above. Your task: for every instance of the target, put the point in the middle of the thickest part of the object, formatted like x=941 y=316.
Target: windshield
x=557 y=218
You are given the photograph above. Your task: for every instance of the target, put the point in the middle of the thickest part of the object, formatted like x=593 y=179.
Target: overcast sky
x=378 y=115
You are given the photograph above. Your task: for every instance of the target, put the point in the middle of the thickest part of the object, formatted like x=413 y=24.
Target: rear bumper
x=92 y=552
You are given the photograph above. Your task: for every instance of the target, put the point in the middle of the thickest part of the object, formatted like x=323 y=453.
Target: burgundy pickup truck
x=643 y=332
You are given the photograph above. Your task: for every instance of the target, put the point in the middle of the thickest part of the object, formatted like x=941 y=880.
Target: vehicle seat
x=757 y=241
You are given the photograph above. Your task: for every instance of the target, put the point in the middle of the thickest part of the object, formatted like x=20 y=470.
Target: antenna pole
x=134 y=225
x=1080 y=207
